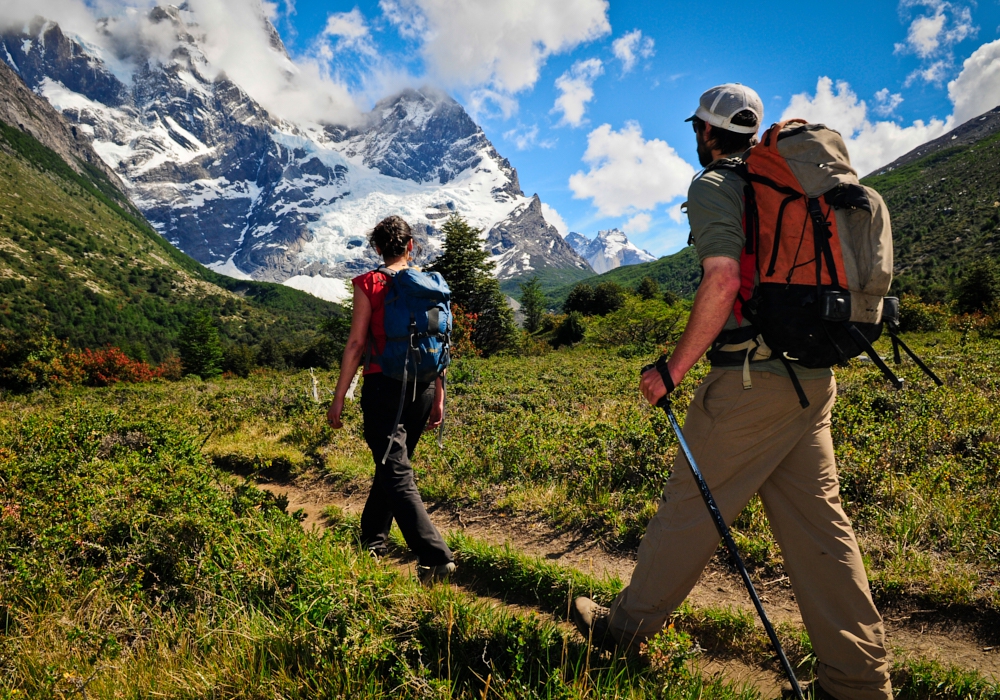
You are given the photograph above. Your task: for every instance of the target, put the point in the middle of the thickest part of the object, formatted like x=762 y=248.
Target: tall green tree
x=201 y=350
x=979 y=287
x=466 y=268
x=464 y=263
x=496 y=329
x=532 y=304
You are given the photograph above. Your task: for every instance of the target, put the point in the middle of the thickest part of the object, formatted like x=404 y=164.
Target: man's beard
x=704 y=152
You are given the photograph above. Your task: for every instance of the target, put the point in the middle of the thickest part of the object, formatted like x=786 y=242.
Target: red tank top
x=373 y=285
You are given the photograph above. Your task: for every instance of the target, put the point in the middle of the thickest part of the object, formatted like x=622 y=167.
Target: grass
x=130 y=567
x=723 y=632
x=564 y=437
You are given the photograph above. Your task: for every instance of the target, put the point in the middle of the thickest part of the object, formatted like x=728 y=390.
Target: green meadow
x=137 y=559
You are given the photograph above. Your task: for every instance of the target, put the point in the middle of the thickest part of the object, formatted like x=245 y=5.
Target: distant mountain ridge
x=255 y=196
x=609 y=249
x=967 y=134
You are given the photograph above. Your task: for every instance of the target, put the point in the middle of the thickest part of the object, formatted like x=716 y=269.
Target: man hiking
x=749 y=433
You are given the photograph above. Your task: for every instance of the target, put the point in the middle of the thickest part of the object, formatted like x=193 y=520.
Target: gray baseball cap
x=720 y=104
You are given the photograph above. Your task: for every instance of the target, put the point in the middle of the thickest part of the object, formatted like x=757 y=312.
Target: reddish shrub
x=111 y=365
x=463 y=326
x=170 y=369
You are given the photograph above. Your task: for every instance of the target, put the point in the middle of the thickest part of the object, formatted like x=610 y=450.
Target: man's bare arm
x=712 y=305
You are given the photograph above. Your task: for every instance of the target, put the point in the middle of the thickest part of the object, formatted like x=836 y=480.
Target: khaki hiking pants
x=762 y=441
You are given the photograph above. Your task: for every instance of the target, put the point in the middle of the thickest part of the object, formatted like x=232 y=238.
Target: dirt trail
x=909 y=632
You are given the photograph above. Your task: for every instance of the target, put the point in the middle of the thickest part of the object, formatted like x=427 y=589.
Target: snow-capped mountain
x=608 y=250
x=252 y=195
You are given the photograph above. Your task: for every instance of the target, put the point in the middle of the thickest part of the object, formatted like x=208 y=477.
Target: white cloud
x=490 y=103
x=886 y=102
x=676 y=213
x=553 y=217
x=932 y=35
x=501 y=44
x=526 y=137
x=871 y=144
x=637 y=224
x=934 y=73
x=351 y=29
x=576 y=90
x=630 y=47
x=629 y=174
x=977 y=87
x=234 y=35
x=522 y=137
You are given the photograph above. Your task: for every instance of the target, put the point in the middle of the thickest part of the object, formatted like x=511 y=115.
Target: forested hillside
x=74 y=261
x=945 y=212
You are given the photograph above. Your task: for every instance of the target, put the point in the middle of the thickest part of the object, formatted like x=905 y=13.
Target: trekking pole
x=734 y=553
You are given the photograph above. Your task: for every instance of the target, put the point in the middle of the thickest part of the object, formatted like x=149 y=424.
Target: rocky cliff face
x=24 y=110
x=251 y=195
x=609 y=249
x=524 y=243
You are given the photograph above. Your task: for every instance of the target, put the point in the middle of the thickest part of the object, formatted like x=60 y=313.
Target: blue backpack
x=418 y=330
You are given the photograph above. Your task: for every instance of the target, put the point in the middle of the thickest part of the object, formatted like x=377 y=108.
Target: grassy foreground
x=132 y=563
x=129 y=567
x=565 y=437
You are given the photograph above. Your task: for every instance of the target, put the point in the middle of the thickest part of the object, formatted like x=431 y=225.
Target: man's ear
x=706 y=133
x=409 y=246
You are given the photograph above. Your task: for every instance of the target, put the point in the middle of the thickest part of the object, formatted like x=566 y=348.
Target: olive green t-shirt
x=715 y=212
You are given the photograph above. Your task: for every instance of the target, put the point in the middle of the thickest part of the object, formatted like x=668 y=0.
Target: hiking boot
x=811 y=691
x=429 y=575
x=591 y=620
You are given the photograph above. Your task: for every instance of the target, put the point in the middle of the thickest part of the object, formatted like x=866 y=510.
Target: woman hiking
x=393 y=494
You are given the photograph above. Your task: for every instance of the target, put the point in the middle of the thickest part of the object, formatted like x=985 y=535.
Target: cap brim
x=691 y=118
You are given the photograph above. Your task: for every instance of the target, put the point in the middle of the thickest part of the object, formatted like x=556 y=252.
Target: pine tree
x=464 y=264
x=201 y=350
x=532 y=304
x=979 y=288
x=466 y=268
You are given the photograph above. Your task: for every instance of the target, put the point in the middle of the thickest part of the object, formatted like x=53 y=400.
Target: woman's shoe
x=429 y=575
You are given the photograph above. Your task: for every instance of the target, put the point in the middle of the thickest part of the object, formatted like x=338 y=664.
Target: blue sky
x=888 y=74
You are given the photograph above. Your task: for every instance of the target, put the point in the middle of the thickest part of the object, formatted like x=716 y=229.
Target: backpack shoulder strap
x=736 y=165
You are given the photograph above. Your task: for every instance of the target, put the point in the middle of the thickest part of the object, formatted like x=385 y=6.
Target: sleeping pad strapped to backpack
x=418 y=331
x=818 y=256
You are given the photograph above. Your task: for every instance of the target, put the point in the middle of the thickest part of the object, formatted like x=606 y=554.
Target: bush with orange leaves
x=38 y=361
x=463 y=326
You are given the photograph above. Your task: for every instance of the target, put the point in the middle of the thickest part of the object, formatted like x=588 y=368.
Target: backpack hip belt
x=754 y=349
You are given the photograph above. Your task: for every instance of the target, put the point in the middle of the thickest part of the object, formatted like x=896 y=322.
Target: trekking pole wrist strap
x=663 y=367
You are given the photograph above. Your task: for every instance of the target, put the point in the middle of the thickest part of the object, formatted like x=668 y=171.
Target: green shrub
x=979 y=288
x=645 y=326
x=914 y=315
x=580 y=299
x=239 y=359
x=608 y=297
x=648 y=288
x=571 y=330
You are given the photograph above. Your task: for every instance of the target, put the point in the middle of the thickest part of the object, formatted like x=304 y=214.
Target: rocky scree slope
x=255 y=196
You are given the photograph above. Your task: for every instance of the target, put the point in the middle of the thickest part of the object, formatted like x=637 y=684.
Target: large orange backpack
x=817 y=262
